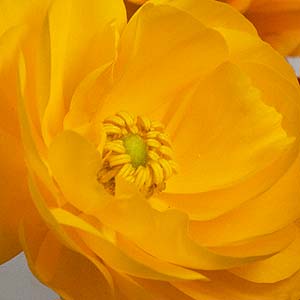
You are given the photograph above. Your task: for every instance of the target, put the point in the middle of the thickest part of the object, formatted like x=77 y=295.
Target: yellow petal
x=213 y=14
x=86 y=101
x=267 y=213
x=278 y=267
x=162 y=289
x=76 y=162
x=9 y=43
x=241 y=5
x=224 y=285
x=68 y=273
x=14 y=194
x=179 y=57
x=263 y=245
x=14 y=13
x=226 y=135
x=131 y=289
x=163 y=235
x=15 y=198
x=277 y=23
x=80 y=40
x=133 y=262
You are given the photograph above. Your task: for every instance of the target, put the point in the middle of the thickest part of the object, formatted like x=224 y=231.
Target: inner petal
x=226 y=134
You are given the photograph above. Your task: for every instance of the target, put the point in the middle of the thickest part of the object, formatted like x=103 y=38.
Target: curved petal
x=154 y=64
x=75 y=161
x=14 y=193
x=213 y=14
x=226 y=135
x=276 y=268
x=270 y=74
x=81 y=37
x=87 y=99
x=162 y=235
x=278 y=23
x=15 y=199
x=224 y=285
x=241 y=5
x=133 y=262
x=267 y=213
x=59 y=267
x=269 y=244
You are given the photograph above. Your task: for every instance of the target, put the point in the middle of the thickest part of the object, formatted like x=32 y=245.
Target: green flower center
x=136 y=148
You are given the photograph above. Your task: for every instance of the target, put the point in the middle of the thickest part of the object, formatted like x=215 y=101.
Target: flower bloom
x=162 y=155
x=277 y=21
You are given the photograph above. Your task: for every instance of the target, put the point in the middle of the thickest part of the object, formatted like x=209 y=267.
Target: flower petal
x=74 y=161
x=267 y=213
x=175 y=56
x=76 y=32
x=226 y=135
x=263 y=245
x=277 y=23
x=163 y=235
x=59 y=267
x=14 y=193
x=134 y=262
x=87 y=99
x=278 y=267
x=15 y=198
x=213 y=14
x=224 y=285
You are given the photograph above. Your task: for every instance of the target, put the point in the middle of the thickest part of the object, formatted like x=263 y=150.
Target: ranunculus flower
x=162 y=156
x=277 y=21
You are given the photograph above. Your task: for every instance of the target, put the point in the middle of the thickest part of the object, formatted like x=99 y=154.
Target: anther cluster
x=138 y=150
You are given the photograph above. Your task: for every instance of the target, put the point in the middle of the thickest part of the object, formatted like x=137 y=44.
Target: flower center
x=138 y=150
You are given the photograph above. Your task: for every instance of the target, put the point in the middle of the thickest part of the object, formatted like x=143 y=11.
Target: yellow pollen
x=138 y=150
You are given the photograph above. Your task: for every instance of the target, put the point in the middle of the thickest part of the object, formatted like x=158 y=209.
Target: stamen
x=138 y=150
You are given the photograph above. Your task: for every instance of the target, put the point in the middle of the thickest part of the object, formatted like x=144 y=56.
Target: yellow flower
x=277 y=21
x=162 y=156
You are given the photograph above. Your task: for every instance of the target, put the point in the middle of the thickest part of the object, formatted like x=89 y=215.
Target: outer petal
x=66 y=272
x=133 y=262
x=80 y=37
x=14 y=195
x=216 y=15
x=278 y=23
